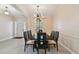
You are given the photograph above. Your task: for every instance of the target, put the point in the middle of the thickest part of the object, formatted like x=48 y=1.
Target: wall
x=67 y=22
x=5 y=27
x=18 y=27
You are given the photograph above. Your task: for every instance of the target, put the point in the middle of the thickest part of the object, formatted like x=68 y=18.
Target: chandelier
x=38 y=13
x=6 y=11
x=38 y=20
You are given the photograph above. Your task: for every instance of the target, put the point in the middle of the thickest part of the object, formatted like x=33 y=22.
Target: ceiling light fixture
x=6 y=11
x=38 y=20
x=38 y=13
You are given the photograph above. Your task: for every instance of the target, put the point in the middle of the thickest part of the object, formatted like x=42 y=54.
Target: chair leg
x=25 y=48
x=49 y=48
x=54 y=45
x=45 y=51
x=33 y=48
x=37 y=51
x=57 y=46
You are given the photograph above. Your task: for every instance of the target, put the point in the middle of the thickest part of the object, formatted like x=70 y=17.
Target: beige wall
x=47 y=24
x=5 y=27
x=67 y=22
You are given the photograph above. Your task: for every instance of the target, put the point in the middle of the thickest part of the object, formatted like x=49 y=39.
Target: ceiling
x=12 y=10
x=28 y=10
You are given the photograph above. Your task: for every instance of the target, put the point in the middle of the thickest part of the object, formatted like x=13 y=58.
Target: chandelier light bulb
x=6 y=11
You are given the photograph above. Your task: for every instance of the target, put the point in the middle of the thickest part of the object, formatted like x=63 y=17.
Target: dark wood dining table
x=42 y=44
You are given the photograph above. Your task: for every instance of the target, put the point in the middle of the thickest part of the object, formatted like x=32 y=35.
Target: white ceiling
x=28 y=10
x=12 y=10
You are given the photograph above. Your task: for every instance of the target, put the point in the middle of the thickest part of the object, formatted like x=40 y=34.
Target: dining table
x=41 y=41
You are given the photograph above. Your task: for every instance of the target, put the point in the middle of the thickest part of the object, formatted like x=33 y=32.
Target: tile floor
x=16 y=46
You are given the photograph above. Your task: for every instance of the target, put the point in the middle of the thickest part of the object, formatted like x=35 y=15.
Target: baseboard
x=7 y=38
x=17 y=37
x=72 y=52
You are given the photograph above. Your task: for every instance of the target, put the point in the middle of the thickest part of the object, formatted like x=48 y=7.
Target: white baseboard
x=67 y=48
x=7 y=38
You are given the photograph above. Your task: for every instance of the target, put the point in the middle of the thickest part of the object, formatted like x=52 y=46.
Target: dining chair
x=30 y=36
x=27 y=41
x=54 y=39
x=41 y=43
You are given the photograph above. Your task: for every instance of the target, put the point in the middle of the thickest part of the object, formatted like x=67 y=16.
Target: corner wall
x=67 y=22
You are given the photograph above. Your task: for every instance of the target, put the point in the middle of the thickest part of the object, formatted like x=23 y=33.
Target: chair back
x=25 y=36
x=52 y=35
x=56 y=36
x=30 y=35
x=41 y=36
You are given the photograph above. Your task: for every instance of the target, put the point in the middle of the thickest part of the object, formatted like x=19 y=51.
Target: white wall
x=19 y=27
x=5 y=27
x=67 y=22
